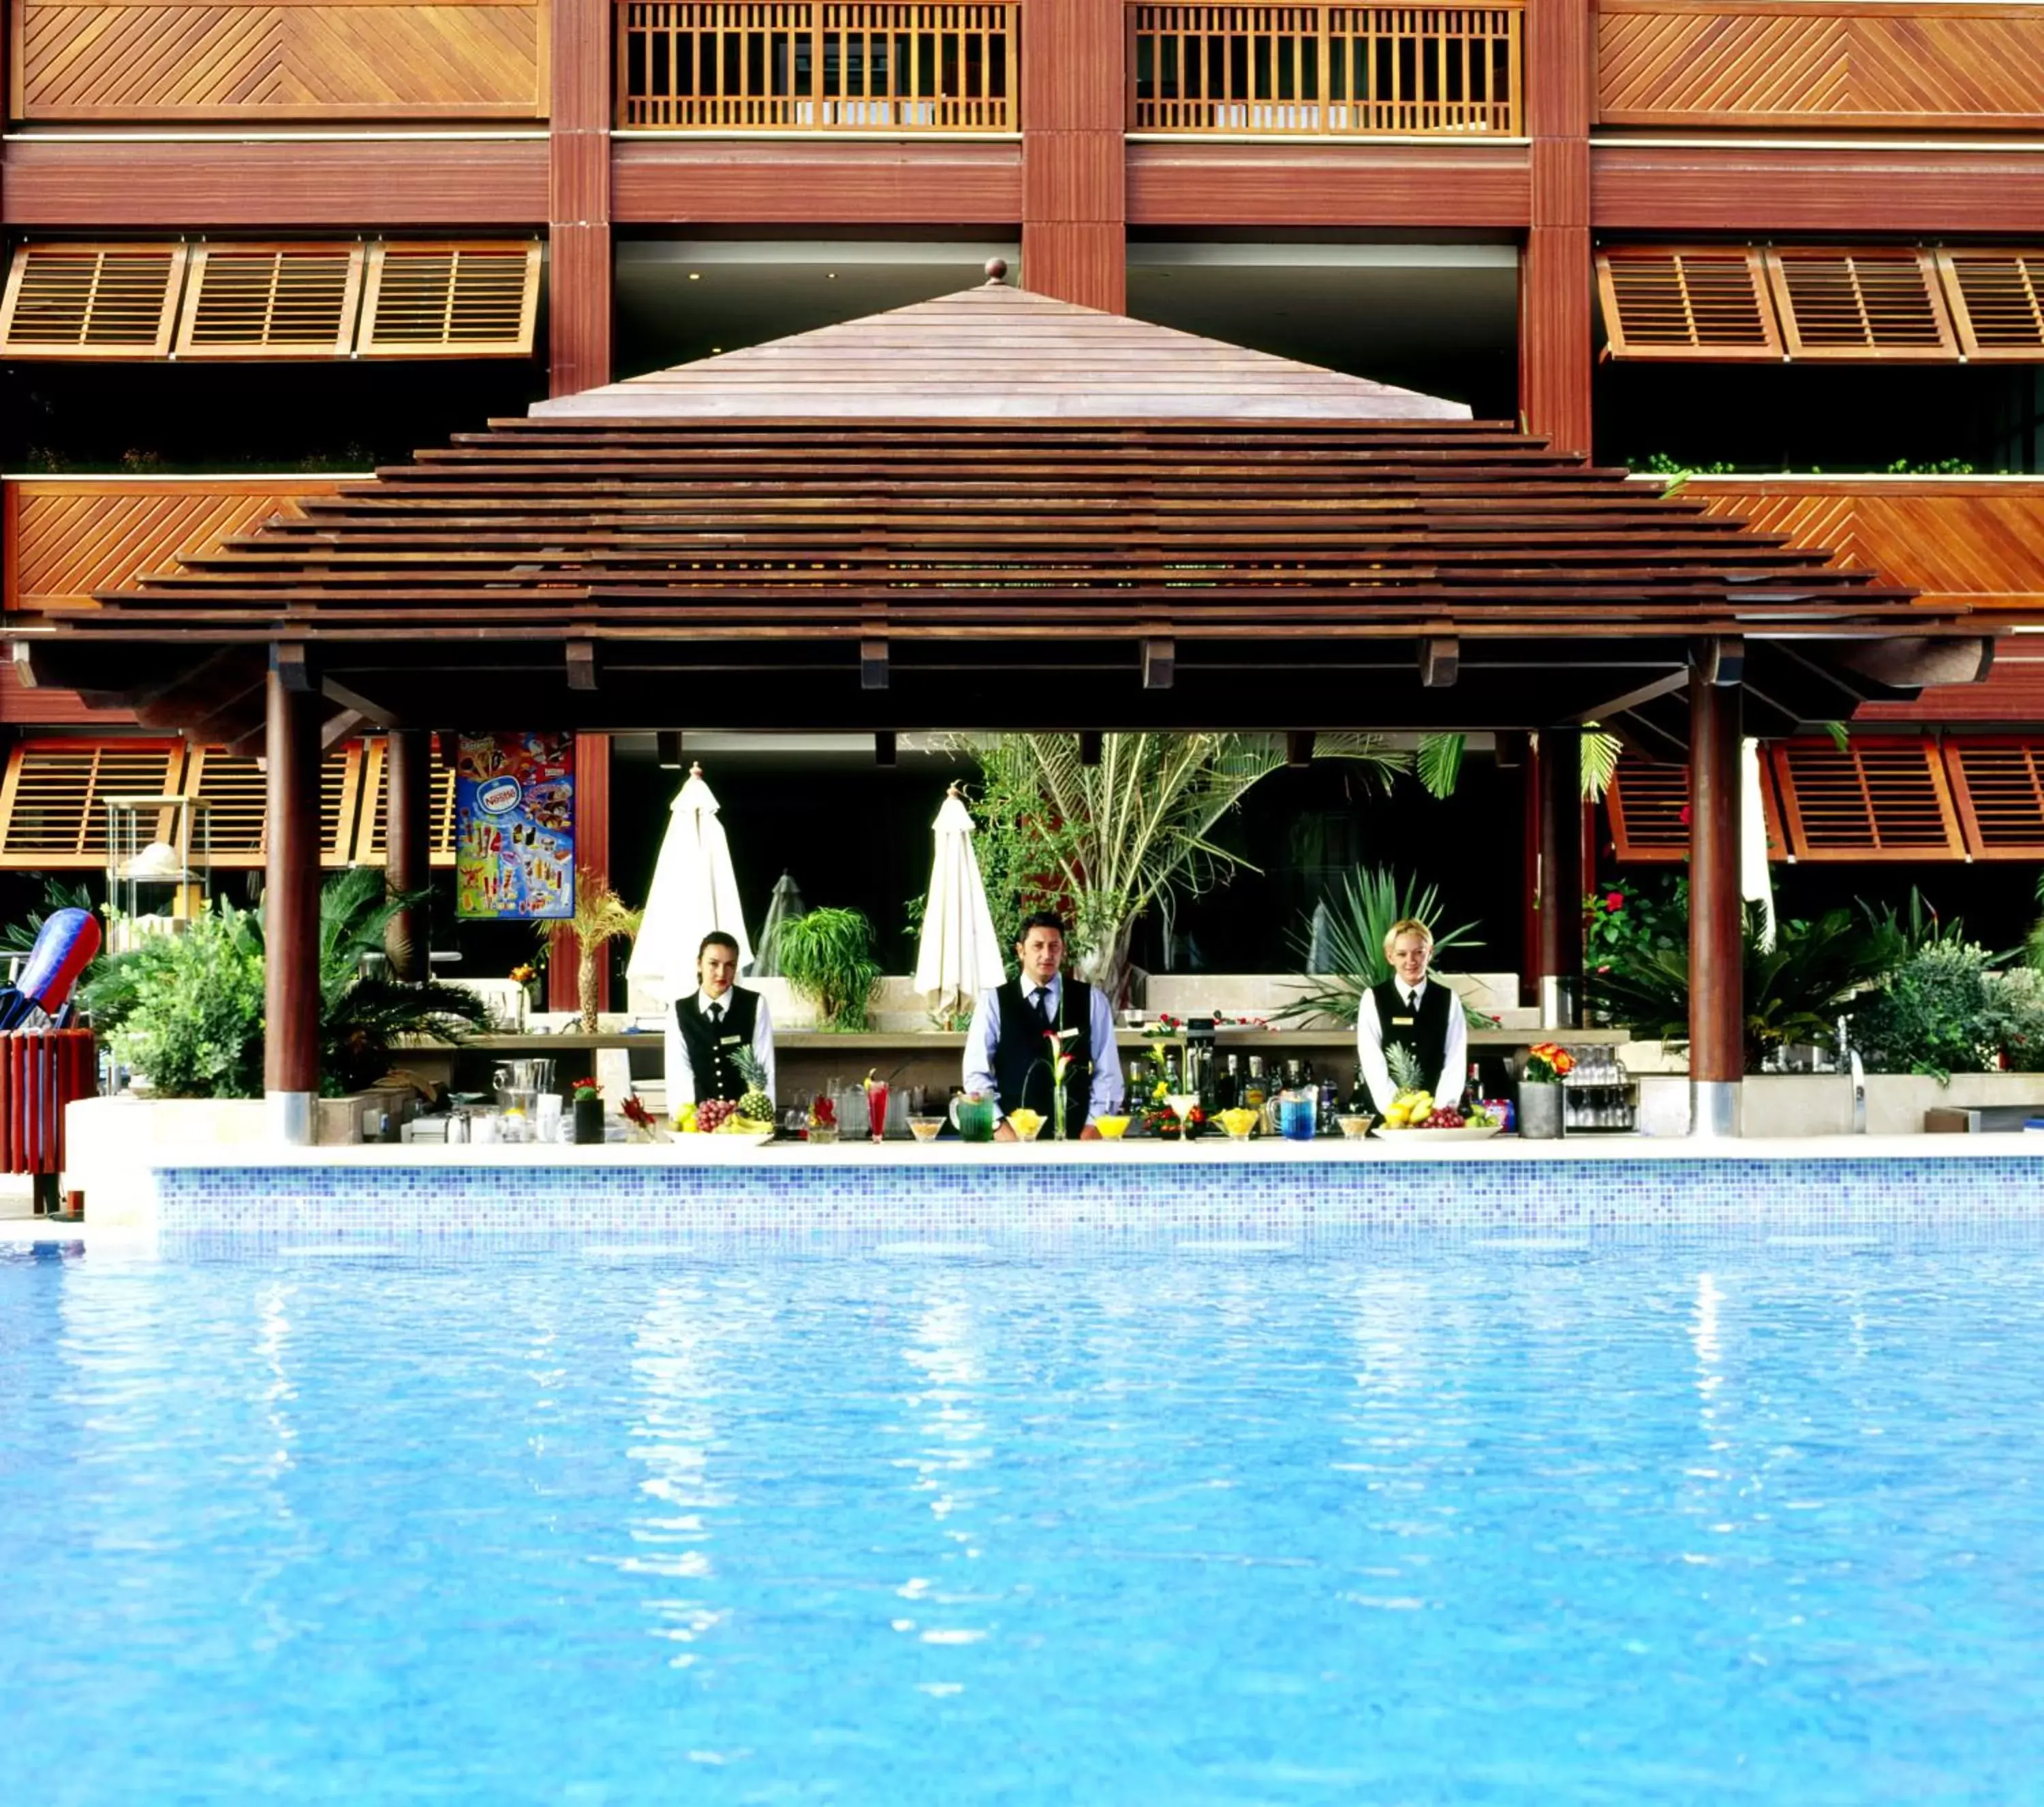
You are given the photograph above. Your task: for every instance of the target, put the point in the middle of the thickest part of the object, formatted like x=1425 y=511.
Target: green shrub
x=1944 y=1011
x=827 y=957
x=187 y=1009
x=1371 y=899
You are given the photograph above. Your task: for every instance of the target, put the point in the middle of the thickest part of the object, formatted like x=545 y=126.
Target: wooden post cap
x=996 y=271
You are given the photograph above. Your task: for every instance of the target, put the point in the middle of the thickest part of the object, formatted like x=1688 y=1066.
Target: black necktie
x=716 y=1014
x=1412 y=1000
x=1043 y=1006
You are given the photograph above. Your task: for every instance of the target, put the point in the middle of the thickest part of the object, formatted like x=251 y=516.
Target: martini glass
x=1182 y=1104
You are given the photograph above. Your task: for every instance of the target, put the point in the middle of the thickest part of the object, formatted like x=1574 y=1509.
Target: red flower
x=1685 y=815
x=1615 y=901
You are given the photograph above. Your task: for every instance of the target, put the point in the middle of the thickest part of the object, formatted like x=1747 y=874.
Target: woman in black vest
x=710 y=1025
x=1411 y=1010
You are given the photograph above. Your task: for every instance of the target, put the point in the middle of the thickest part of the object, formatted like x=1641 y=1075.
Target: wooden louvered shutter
x=91 y=300
x=1699 y=303
x=369 y=848
x=271 y=301
x=1646 y=804
x=1871 y=800
x=1997 y=301
x=53 y=797
x=1999 y=788
x=450 y=301
x=238 y=822
x=1884 y=305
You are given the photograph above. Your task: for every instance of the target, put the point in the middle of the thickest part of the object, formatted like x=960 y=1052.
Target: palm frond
x=1372 y=899
x=1600 y=762
x=1439 y=762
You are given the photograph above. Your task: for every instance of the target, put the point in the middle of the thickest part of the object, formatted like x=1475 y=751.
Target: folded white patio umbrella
x=1756 y=877
x=783 y=907
x=959 y=956
x=694 y=891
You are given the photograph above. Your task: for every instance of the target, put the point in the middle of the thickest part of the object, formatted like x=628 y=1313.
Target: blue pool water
x=1426 y=1521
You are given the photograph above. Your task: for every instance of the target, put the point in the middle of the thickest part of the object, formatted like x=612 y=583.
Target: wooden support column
x=1074 y=100
x=1717 y=924
x=1554 y=278
x=579 y=274
x=290 y=907
x=408 y=760
x=1561 y=878
x=592 y=859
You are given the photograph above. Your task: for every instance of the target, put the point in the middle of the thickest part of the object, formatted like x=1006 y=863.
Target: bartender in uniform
x=710 y=1024
x=1008 y=1050
x=1411 y=1010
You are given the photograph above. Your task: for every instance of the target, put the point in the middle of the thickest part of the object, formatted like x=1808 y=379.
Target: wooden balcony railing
x=816 y=65
x=1325 y=71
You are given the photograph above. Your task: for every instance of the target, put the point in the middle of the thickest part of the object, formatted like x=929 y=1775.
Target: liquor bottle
x=1330 y=1108
x=1473 y=1093
x=1359 y=1096
x=1174 y=1076
x=1255 y=1090
x=1229 y=1092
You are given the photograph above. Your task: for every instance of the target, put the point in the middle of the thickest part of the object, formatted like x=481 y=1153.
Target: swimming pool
x=1475 y=1518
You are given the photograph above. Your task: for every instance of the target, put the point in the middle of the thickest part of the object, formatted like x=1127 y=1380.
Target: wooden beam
x=292 y=661
x=872 y=665
x=582 y=664
x=1299 y=749
x=1074 y=160
x=408 y=757
x=1555 y=276
x=1440 y=658
x=353 y=700
x=339 y=727
x=1720 y=659
x=1159 y=659
x=291 y=928
x=579 y=279
x=668 y=742
x=1560 y=891
x=1717 y=1010
x=592 y=755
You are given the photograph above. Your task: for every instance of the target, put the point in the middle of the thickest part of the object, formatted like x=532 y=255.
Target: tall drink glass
x=876 y=1108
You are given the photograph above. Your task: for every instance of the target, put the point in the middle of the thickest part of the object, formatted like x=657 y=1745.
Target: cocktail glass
x=876 y=1108
x=1182 y=1105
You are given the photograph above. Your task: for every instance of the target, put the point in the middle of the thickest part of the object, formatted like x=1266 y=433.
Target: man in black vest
x=1008 y=1049
x=710 y=1025
x=1411 y=1010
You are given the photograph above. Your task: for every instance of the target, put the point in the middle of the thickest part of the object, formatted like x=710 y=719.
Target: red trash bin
x=41 y=1071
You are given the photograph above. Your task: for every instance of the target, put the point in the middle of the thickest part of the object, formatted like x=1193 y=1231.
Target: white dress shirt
x=984 y=1037
x=681 y=1076
x=1369 y=1046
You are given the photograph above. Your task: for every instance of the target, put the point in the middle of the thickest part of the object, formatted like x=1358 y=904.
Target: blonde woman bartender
x=1411 y=1010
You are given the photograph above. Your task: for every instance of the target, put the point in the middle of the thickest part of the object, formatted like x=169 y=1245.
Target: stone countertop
x=1279 y=1042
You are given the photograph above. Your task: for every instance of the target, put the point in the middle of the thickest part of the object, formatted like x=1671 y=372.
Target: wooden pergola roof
x=934 y=522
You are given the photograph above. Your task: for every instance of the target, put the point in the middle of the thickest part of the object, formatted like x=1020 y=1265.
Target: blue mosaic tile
x=1732 y=1196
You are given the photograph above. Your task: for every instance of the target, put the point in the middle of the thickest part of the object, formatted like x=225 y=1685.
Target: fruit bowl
x=1027 y=1124
x=1355 y=1128
x=1239 y=1122
x=1468 y=1132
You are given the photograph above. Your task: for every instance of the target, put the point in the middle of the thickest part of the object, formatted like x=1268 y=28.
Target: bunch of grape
x=1444 y=1118
x=711 y=1112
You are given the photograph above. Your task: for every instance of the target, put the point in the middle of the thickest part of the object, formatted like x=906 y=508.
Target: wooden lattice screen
x=53 y=797
x=369 y=846
x=235 y=786
x=795 y=65
x=1873 y=799
x=395 y=299
x=450 y=301
x=1689 y=301
x=1998 y=786
x=1997 y=303
x=1878 y=305
x=1325 y=70
x=91 y=300
x=1648 y=805
x=271 y=301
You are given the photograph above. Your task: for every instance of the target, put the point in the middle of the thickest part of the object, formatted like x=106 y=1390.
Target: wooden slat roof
x=898 y=570
x=998 y=353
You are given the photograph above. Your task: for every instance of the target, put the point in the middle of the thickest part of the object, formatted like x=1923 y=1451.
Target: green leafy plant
x=1438 y=763
x=1372 y=898
x=827 y=956
x=1943 y=1011
x=1103 y=843
x=184 y=1011
x=601 y=918
x=1793 y=991
x=19 y=937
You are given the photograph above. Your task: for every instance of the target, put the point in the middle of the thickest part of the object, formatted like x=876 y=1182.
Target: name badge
x=729 y=1041
x=1403 y=1022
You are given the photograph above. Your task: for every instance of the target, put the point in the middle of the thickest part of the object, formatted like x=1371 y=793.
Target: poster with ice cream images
x=514 y=828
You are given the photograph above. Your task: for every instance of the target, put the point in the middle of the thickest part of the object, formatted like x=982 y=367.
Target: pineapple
x=757 y=1103
x=1404 y=1068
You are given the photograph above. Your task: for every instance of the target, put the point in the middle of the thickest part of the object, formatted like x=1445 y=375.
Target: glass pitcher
x=974 y=1115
